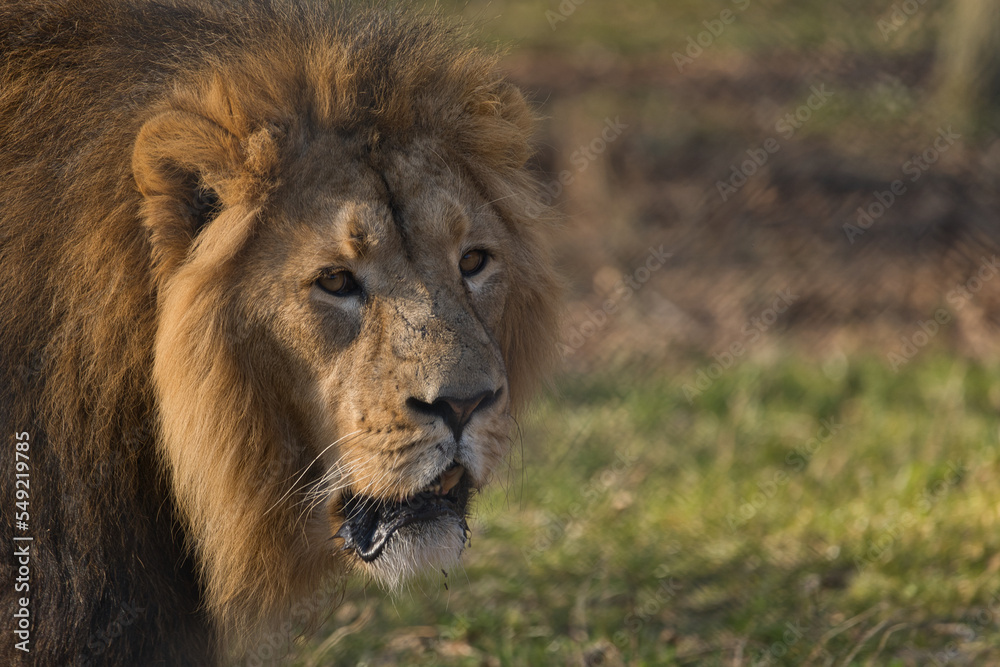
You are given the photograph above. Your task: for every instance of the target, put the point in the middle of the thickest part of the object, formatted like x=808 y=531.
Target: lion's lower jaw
x=418 y=549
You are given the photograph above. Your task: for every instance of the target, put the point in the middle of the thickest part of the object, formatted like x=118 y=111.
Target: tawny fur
x=183 y=399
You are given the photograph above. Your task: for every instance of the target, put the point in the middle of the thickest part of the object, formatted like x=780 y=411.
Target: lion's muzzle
x=456 y=412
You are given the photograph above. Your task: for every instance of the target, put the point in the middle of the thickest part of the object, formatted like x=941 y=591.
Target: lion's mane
x=181 y=551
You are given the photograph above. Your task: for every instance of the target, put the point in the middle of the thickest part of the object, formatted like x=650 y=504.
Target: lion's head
x=354 y=298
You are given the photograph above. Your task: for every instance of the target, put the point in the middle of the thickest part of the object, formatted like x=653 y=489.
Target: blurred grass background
x=712 y=481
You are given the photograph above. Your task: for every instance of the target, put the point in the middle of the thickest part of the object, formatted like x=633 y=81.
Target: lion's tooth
x=450 y=477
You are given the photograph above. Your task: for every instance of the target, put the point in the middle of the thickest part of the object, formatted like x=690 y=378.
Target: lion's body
x=175 y=392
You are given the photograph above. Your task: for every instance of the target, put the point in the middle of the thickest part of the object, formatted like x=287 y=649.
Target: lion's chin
x=394 y=540
x=417 y=549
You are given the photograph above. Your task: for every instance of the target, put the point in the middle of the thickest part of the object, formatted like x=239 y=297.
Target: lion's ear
x=188 y=169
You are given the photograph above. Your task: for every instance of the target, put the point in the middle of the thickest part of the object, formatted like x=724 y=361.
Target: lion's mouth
x=369 y=523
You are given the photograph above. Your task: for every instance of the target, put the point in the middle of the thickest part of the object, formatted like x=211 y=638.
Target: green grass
x=658 y=531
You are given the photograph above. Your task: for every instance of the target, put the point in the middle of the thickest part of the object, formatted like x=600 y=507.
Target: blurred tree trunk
x=969 y=64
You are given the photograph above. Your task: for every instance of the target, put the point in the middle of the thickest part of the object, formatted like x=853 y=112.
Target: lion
x=276 y=282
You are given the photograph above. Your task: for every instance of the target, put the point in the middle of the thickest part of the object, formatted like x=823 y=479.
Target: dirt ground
x=752 y=174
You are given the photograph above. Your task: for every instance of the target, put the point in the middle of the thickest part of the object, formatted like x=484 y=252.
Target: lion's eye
x=338 y=283
x=472 y=262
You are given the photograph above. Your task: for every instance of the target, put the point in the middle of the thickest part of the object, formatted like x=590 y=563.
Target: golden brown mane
x=108 y=110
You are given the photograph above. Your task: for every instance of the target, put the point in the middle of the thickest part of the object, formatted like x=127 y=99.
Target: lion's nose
x=456 y=412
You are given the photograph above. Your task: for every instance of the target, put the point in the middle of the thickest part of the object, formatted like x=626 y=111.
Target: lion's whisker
x=305 y=469
x=325 y=486
x=383 y=473
x=315 y=496
x=494 y=201
x=338 y=470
